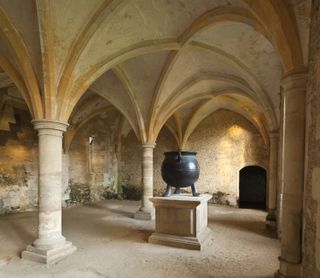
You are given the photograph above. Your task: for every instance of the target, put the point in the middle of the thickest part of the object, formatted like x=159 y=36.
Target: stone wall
x=103 y=180
x=225 y=142
x=311 y=229
x=111 y=172
x=18 y=164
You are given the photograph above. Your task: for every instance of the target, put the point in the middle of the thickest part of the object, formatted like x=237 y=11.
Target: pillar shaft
x=280 y=168
x=50 y=179
x=294 y=93
x=146 y=210
x=50 y=184
x=273 y=181
x=273 y=171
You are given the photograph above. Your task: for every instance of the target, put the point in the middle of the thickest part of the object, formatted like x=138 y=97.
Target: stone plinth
x=49 y=256
x=181 y=221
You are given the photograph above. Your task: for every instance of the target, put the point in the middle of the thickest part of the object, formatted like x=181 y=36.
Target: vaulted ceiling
x=157 y=61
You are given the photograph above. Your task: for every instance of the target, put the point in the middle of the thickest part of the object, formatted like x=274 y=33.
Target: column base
x=287 y=269
x=271 y=219
x=50 y=256
x=144 y=215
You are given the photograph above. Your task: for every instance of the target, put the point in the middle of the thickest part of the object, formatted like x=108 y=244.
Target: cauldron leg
x=194 y=190
x=168 y=191
x=177 y=191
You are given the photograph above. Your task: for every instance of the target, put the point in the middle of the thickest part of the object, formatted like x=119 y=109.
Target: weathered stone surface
x=79 y=193
x=18 y=165
x=103 y=181
x=221 y=198
x=311 y=227
x=226 y=142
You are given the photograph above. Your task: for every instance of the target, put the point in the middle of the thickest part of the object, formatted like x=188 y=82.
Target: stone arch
x=25 y=79
x=263 y=125
x=249 y=86
x=265 y=21
x=86 y=80
x=263 y=24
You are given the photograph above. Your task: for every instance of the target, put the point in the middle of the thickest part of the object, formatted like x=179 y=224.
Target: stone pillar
x=294 y=94
x=146 y=211
x=50 y=246
x=280 y=167
x=273 y=180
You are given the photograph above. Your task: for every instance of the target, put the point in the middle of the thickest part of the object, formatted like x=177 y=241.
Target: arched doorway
x=252 y=187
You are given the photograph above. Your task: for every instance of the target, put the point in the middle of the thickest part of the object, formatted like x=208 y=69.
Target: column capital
x=40 y=124
x=297 y=80
x=149 y=145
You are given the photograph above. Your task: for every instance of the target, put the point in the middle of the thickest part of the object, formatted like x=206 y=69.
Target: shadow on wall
x=252 y=187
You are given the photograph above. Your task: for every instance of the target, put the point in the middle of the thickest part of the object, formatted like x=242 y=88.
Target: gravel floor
x=112 y=244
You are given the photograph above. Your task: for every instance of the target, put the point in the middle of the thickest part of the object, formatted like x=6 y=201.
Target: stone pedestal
x=181 y=221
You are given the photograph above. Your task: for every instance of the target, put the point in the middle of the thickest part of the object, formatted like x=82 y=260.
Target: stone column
x=146 y=211
x=273 y=180
x=294 y=94
x=280 y=167
x=50 y=246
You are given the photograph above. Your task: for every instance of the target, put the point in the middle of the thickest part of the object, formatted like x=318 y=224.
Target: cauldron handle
x=179 y=157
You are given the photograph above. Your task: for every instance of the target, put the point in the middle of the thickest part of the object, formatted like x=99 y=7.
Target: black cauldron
x=180 y=169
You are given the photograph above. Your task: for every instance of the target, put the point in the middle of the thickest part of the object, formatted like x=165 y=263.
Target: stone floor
x=112 y=244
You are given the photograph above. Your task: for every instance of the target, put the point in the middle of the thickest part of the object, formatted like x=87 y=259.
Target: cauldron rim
x=182 y=153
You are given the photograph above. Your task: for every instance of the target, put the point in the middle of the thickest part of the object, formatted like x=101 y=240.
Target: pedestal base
x=50 y=256
x=181 y=221
x=144 y=215
x=193 y=243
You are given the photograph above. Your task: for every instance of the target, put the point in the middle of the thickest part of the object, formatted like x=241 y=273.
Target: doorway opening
x=252 y=187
